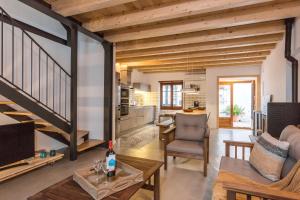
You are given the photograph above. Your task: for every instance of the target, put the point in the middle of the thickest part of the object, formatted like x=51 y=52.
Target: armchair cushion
x=191 y=127
x=184 y=146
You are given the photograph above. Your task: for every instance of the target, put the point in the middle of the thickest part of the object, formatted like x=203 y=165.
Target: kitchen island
x=138 y=116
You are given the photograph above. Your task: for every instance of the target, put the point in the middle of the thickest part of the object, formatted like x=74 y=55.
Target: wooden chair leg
x=165 y=160
x=174 y=157
x=205 y=157
x=205 y=166
x=208 y=151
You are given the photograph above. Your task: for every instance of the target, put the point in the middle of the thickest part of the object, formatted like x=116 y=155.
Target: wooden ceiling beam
x=200 y=59
x=75 y=7
x=204 y=36
x=239 y=42
x=184 y=69
x=256 y=48
x=165 y=12
x=196 y=64
x=250 y=15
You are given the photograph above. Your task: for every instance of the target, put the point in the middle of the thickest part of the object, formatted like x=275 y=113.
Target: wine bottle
x=111 y=162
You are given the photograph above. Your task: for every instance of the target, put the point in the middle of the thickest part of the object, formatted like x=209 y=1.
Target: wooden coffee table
x=68 y=189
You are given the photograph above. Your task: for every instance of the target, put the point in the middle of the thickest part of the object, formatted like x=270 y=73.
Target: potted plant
x=238 y=111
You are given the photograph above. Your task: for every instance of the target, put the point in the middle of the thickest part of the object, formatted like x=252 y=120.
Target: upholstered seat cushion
x=184 y=146
x=243 y=168
x=291 y=134
x=191 y=127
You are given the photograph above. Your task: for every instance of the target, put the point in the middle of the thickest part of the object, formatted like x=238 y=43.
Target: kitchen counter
x=138 y=116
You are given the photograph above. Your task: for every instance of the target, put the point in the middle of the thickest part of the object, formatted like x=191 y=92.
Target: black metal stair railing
x=32 y=70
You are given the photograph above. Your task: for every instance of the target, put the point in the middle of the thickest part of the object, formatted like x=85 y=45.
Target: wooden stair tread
x=20 y=113
x=51 y=129
x=80 y=133
x=6 y=102
x=39 y=122
x=89 y=144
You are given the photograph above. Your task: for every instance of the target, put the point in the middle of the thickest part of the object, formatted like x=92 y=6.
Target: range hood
x=142 y=86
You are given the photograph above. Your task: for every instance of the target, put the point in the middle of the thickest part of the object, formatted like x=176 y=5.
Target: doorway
x=236 y=101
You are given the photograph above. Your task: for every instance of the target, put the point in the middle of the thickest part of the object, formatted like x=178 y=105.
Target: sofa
x=254 y=183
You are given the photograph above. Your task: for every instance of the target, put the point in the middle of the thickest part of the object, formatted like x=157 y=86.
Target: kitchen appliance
x=16 y=142
x=117 y=104
x=196 y=104
x=124 y=92
x=124 y=107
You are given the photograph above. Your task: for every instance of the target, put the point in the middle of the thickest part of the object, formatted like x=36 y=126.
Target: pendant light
x=191 y=88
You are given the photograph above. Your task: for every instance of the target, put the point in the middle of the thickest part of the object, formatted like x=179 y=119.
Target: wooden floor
x=183 y=180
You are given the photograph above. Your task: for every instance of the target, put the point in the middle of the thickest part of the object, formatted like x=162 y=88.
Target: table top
x=68 y=189
x=194 y=111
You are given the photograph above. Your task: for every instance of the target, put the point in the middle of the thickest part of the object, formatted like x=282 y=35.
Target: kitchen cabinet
x=138 y=116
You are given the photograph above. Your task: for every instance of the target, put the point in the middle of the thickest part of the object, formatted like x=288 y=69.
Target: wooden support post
x=108 y=90
x=74 y=50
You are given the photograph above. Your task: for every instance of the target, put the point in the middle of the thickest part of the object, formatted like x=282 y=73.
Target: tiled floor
x=183 y=180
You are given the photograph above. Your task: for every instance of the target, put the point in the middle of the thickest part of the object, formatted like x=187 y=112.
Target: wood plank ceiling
x=184 y=35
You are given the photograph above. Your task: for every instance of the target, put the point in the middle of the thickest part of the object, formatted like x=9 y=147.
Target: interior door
x=225 y=105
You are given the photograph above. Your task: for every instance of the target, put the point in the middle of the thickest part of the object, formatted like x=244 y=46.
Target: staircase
x=35 y=86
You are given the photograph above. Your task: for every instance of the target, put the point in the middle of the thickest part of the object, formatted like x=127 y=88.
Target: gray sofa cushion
x=291 y=134
x=184 y=146
x=190 y=127
x=287 y=166
x=243 y=168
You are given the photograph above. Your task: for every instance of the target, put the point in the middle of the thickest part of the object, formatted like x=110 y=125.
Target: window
x=171 y=95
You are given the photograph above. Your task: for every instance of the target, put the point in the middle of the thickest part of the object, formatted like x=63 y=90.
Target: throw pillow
x=268 y=156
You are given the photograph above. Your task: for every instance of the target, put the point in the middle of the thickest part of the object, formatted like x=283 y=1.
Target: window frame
x=172 y=83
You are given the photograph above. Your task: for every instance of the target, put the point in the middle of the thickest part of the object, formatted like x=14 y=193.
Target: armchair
x=188 y=138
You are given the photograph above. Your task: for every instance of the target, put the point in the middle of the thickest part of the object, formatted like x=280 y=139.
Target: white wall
x=138 y=77
x=90 y=68
x=209 y=85
x=276 y=70
x=90 y=86
x=212 y=75
x=274 y=74
x=154 y=78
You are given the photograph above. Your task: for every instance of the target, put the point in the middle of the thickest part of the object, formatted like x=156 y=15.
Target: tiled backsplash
x=190 y=98
x=153 y=98
x=141 y=98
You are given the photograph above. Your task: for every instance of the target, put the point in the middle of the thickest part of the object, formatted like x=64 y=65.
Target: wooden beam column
x=108 y=90
x=74 y=51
